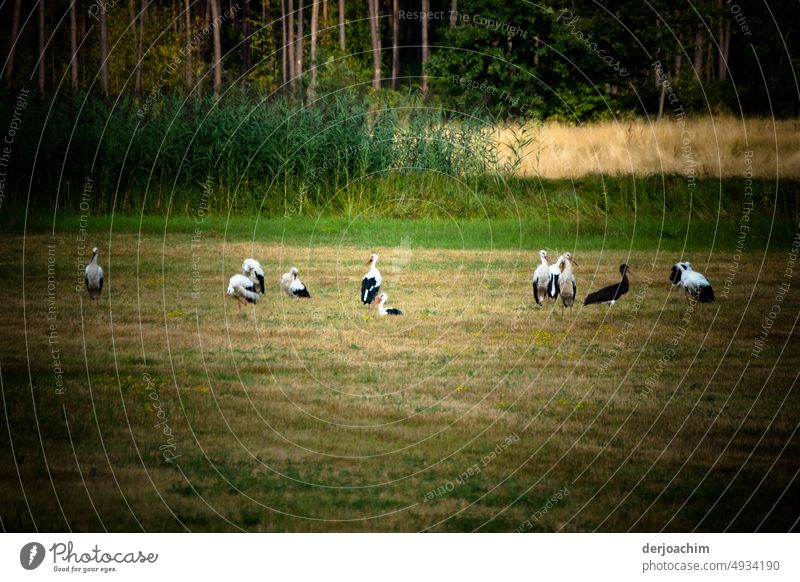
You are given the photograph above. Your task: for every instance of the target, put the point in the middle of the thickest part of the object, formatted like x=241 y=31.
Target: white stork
x=383 y=310
x=243 y=289
x=541 y=276
x=567 y=283
x=252 y=268
x=93 y=275
x=293 y=286
x=371 y=283
x=695 y=284
x=553 y=284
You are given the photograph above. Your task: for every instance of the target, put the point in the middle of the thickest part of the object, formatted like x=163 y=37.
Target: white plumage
x=252 y=268
x=242 y=288
x=567 y=284
x=695 y=284
x=93 y=274
x=553 y=276
x=541 y=277
x=292 y=285
x=371 y=283
x=383 y=310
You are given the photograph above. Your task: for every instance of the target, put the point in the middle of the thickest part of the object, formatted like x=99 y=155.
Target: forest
x=151 y=99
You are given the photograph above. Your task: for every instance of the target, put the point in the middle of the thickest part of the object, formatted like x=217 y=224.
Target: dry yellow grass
x=716 y=147
x=315 y=416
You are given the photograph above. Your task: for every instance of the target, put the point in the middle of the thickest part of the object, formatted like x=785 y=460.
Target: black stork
x=612 y=293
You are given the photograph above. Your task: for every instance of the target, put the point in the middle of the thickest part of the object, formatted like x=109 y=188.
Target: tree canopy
x=574 y=60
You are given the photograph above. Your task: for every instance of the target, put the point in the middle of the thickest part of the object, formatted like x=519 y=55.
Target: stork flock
x=247 y=286
x=550 y=281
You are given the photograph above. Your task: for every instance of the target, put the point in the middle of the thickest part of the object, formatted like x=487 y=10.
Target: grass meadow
x=475 y=411
x=712 y=146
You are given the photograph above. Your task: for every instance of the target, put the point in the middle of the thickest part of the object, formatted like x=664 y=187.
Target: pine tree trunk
x=698 y=53
x=188 y=56
x=290 y=46
x=103 y=51
x=14 y=33
x=284 y=66
x=726 y=48
x=217 y=47
x=137 y=82
x=720 y=41
x=300 y=40
x=376 y=43
x=453 y=13
x=426 y=7
x=312 y=87
x=395 y=42
x=246 y=49
x=341 y=25
x=42 y=60
x=73 y=46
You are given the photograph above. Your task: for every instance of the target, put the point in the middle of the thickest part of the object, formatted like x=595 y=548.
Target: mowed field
x=476 y=410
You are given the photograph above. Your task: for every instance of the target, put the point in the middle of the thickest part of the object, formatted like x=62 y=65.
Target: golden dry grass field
x=476 y=410
x=713 y=146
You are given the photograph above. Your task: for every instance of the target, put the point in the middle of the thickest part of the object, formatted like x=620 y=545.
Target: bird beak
x=369 y=261
x=574 y=262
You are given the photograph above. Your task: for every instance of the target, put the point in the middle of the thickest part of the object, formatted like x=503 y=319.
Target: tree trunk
x=726 y=47
x=395 y=42
x=661 y=80
x=188 y=56
x=720 y=40
x=426 y=54
x=42 y=61
x=341 y=25
x=376 y=43
x=698 y=53
x=300 y=40
x=290 y=46
x=15 y=33
x=284 y=67
x=246 y=48
x=217 y=47
x=312 y=87
x=453 y=13
x=137 y=82
x=82 y=12
x=103 y=51
x=73 y=46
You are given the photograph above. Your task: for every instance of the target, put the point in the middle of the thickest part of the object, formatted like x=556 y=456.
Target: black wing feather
x=368 y=290
x=705 y=294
